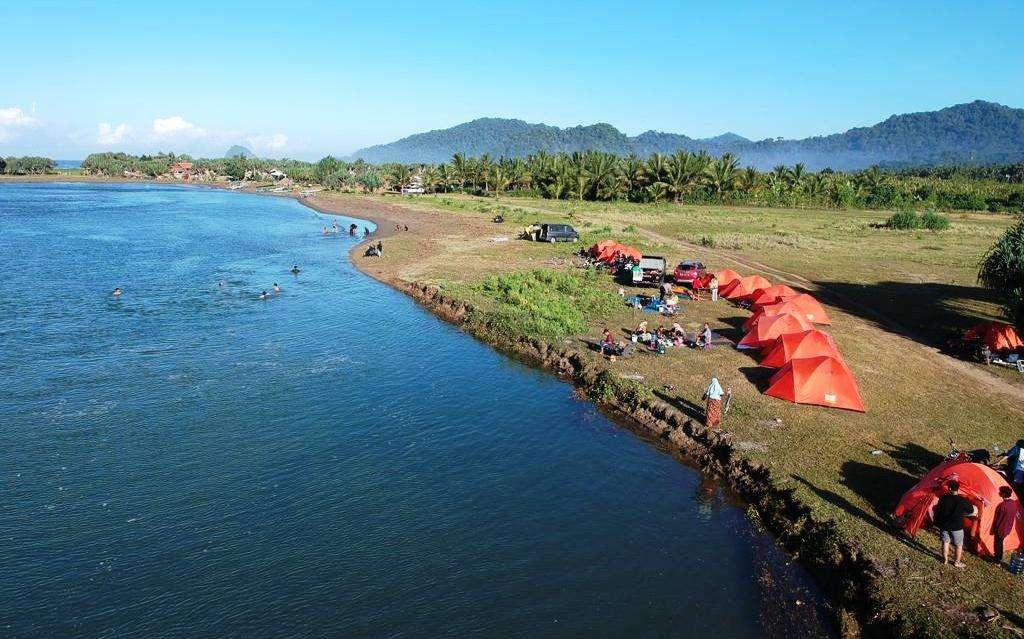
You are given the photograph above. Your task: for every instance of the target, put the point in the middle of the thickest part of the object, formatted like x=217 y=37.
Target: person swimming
x=334 y=227
x=277 y=289
x=264 y=295
x=117 y=292
x=295 y=269
x=326 y=232
x=366 y=231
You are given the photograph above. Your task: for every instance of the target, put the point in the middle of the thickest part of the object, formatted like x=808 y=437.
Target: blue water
x=190 y=461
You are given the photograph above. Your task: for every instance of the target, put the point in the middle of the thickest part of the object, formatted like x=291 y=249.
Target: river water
x=189 y=460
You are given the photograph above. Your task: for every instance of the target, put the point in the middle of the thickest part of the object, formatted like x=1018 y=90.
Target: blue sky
x=303 y=79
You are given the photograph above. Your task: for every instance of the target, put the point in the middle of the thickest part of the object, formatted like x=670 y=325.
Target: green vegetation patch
x=544 y=303
x=909 y=220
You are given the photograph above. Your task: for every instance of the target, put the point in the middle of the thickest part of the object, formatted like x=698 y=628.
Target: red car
x=687 y=272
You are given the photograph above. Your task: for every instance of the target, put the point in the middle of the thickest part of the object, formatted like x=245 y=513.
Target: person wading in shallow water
x=117 y=292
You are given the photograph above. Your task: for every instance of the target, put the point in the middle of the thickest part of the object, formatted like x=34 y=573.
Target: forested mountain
x=974 y=133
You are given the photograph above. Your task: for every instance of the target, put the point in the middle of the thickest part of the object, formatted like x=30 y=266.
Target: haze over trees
x=974 y=133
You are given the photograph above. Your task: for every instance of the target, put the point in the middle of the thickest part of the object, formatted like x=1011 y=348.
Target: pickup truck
x=651 y=270
x=551 y=233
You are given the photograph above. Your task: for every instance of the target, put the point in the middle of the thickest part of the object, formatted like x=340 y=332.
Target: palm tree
x=722 y=175
x=459 y=168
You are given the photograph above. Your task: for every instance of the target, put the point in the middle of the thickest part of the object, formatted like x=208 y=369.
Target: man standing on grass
x=949 y=517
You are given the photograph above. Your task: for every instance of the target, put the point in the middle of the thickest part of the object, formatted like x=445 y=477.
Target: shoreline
x=844 y=575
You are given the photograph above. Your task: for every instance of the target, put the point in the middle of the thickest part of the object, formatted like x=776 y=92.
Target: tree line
x=27 y=165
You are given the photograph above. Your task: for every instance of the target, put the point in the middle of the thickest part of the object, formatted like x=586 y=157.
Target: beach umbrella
x=811 y=343
x=821 y=381
x=766 y=331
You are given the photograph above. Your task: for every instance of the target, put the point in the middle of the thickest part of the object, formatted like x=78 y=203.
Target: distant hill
x=975 y=133
x=238 y=150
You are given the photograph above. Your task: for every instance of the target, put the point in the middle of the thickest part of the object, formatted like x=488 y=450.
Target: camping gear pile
x=997 y=343
x=782 y=328
x=610 y=252
x=979 y=484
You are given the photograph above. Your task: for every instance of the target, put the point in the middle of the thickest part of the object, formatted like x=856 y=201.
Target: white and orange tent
x=766 y=331
x=742 y=288
x=810 y=343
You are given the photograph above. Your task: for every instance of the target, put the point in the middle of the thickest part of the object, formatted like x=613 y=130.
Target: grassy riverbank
x=892 y=295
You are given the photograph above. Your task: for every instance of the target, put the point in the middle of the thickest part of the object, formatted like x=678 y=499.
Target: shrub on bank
x=544 y=302
x=910 y=221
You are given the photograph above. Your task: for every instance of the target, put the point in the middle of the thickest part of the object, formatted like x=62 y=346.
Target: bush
x=545 y=303
x=909 y=221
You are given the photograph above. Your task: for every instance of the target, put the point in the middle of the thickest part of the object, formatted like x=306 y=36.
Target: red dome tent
x=821 y=381
x=997 y=335
x=767 y=331
x=599 y=248
x=804 y=305
x=812 y=343
x=979 y=484
x=726 y=277
x=744 y=286
x=765 y=296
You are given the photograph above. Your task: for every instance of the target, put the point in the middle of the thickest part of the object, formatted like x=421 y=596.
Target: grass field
x=892 y=296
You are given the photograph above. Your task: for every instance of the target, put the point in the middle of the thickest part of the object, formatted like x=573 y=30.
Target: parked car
x=552 y=233
x=651 y=270
x=688 y=271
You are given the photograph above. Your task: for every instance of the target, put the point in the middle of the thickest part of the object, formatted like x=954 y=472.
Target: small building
x=182 y=170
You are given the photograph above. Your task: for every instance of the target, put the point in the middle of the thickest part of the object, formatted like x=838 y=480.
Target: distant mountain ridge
x=978 y=132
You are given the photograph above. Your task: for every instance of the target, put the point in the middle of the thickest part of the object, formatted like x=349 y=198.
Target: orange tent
x=821 y=380
x=803 y=304
x=812 y=343
x=726 y=277
x=979 y=484
x=599 y=248
x=744 y=286
x=997 y=335
x=630 y=252
x=766 y=296
x=766 y=332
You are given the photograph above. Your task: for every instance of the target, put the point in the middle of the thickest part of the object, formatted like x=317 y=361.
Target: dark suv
x=557 y=233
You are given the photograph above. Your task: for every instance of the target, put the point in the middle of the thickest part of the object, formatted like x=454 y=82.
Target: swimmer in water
x=366 y=231
x=277 y=289
x=334 y=227
x=263 y=295
x=295 y=269
x=117 y=292
x=326 y=232
x=221 y=284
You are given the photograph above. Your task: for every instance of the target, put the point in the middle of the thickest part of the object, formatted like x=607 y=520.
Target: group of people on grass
x=658 y=340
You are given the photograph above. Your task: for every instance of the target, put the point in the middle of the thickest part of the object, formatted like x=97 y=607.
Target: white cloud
x=112 y=135
x=177 y=126
x=12 y=118
x=274 y=142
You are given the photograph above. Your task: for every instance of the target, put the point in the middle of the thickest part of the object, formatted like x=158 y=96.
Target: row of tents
x=783 y=328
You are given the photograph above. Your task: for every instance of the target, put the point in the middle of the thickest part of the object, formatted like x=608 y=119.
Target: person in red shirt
x=1007 y=513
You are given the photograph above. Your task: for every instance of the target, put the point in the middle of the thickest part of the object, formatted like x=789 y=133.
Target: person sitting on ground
x=672 y=303
x=277 y=289
x=380 y=249
x=949 y=517
x=117 y=292
x=1015 y=464
x=406 y=227
x=398 y=228
x=705 y=337
x=371 y=251
x=1007 y=513
x=608 y=345
x=641 y=327
x=664 y=291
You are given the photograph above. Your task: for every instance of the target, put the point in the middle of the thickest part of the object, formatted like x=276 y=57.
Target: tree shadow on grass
x=735 y=331
x=913 y=458
x=881 y=522
x=690 y=409
x=925 y=312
